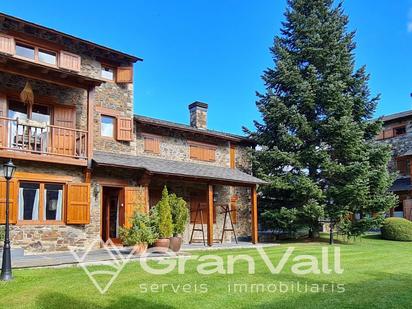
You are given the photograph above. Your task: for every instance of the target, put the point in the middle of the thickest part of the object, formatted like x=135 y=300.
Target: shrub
x=180 y=214
x=162 y=216
x=141 y=231
x=281 y=220
x=397 y=229
x=2 y=233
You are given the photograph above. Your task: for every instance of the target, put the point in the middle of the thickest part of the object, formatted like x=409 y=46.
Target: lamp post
x=8 y=168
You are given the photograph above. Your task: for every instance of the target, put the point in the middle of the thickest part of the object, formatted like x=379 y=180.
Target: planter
x=175 y=243
x=162 y=245
x=139 y=249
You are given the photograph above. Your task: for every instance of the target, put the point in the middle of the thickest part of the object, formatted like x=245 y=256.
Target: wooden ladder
x=199 y=211
x=227 y=211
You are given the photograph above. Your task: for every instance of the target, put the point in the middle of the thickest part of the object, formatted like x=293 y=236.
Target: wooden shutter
x=388 y=133
x=232 y=156
x=379 y=136
x=124 y=129
x=7 y=44
x=401 y=166
x=135 y=199
x=202 y=152
x=78 y=203
x=407 y=209
x=124 y=75
x=3 y=122
x=233 y=208
x=151 y=144
x=69 y=61
x=63 y=140
x=12 y=200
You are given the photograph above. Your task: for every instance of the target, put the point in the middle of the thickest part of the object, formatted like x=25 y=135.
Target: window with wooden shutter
x=78 y=203
x=124 y=129
x=135 y=199
x=63 y=140
x=12 y=202
x=403 y=166
x=69 y=61
x=151 y=143
x=7 y=44
x=124 y=75
x=202 y=152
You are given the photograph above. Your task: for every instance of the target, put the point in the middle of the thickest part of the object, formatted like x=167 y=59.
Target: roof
x=175 y=168
x=406 y=154
x=68 y=36
x=401 y=184
x=190 y=129
x=396 y=116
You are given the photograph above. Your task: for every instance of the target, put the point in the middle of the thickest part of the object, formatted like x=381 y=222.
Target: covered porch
x=212 y=189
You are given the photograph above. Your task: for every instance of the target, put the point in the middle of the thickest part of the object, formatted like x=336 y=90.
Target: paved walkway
x=100 y=256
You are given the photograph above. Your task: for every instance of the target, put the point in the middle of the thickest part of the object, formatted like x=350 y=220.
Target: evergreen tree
x=317 y=132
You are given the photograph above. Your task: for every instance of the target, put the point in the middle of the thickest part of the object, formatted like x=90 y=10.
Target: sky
x=215 y=51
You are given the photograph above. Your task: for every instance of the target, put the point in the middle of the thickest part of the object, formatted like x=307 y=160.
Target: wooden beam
x=254 y=215
x=90 y=123
x=22 y=155
x=210 y=216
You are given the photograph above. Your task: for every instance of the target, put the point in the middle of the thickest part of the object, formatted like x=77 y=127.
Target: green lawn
x=377 y=274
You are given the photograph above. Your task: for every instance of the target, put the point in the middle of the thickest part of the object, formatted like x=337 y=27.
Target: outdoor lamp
x=9 y=168
x=6 y=272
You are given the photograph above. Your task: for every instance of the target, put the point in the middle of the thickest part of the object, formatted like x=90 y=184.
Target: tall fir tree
x=317 y=133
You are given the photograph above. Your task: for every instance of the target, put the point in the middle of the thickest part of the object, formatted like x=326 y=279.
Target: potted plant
x=162 y=220
x=180 y=216
x=140 y=234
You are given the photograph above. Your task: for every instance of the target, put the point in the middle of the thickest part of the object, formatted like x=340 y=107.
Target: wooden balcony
x=31 y=140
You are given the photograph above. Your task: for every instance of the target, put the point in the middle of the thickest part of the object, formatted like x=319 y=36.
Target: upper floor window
x=392 y=131
x=399 y=130
x=35 y=53
x=202 y=152
x=107 y=72
x=403 y=165
x=151 y=143
x=107 y=126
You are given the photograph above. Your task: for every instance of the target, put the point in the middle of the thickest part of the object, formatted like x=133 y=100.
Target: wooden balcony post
x=210 y=216
x=90 y=123
x=254 y=215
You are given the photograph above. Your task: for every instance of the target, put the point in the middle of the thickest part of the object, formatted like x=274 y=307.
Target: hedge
x=397 y=229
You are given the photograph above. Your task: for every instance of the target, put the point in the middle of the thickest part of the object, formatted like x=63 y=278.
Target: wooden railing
x=43 y=139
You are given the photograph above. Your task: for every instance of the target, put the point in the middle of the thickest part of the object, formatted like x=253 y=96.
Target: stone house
x=397 y=132
x=85 y=162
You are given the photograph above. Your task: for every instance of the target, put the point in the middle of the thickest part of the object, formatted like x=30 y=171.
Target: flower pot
x=162 y=245
x=175 y=243
x=139 y=249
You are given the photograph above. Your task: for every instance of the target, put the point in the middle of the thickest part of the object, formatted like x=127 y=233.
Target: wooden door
x=135 y=199
x=63 y=140
x=407 y=209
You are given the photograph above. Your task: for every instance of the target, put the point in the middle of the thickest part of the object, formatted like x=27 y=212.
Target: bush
x=2 y=233
x=180 y=214
x=141 y=231
x=397 y=229
x=162 y=216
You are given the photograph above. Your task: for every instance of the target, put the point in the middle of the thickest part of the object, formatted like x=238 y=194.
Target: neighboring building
x=397 y=132
x=85 y=161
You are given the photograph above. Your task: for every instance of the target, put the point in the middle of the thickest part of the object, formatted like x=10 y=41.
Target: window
x=48 y=57
x=40 y=202
x=107 y=72
x=25 y=51
x=151 y=144
x=36 y=54
x=107 y=126
x=399 y=131
x=202 y=152
x=403 y=166
x=40 y=113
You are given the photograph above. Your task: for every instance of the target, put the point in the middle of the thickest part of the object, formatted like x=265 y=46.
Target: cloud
x=409 y=23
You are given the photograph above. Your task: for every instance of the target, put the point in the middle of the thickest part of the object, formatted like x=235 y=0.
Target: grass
x=377 y=274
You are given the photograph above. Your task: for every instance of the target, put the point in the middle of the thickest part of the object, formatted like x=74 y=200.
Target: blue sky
x=216 y=50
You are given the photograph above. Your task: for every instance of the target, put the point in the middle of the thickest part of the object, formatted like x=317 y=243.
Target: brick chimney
x=198 y=115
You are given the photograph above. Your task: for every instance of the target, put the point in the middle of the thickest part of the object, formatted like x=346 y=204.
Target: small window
x=399 y=131
x=48 y=57
x=53 y=202
x=107 y=126
x=107 y=73
x=151 y=144
x=25 y=51
x=29 y=201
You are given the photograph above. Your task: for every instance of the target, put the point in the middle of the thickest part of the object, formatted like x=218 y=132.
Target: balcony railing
x=35 y=137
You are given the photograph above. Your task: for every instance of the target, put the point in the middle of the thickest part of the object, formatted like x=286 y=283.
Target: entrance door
x=113 y=214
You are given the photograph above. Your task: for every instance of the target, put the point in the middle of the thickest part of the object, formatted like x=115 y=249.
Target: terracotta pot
x=139 y=249
x=162 y=245
x=175 y=243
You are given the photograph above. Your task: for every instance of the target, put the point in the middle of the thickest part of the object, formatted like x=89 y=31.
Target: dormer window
x=399 y=131
x=107 y=72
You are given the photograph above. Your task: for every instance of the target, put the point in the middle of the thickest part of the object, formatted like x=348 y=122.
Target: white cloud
x=409 y=23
